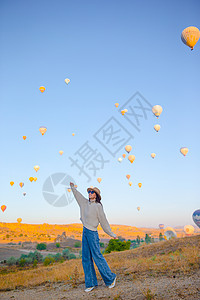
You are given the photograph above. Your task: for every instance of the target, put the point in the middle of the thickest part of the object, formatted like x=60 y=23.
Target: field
x=164 y=270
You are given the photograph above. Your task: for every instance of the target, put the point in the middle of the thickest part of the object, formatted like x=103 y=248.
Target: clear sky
x=110 y=50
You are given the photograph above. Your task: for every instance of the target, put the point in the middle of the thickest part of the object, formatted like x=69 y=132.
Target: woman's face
x=92 y=196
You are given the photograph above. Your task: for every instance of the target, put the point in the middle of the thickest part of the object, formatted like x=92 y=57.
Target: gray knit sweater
x=92 y=214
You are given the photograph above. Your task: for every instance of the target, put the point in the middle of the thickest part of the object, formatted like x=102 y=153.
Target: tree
x=147 y=239
x=138 y=240
x=161 y=237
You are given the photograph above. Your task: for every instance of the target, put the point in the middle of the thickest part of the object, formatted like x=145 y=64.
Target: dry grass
x=169 y=258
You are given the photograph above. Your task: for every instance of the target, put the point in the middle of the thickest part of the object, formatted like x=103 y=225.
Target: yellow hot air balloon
x=42 y=89
x=116 y=104
x=11 y=183
x=42 y=130
x=140 y=184
x=128 y=176
x=130 y=183
x=3 y=207
x=184 y=150
x=31 y=179
x=73 y=134
x=19 y=220
x=36 y=168
x=157 y=127
x=67 y=80
x=123 y=112
x=131 y=158
x=153 y=155
x=190 y=36
x=35 y=178
x=157 y=110
x=138 y=208
x=24 y=137
x=69 y=190
x=99 y=179
x=75 y=185
x=123 y=155
x=128 y=148
x=126 y=110
x=21 y=184
x=61 y=152
x=189 y=229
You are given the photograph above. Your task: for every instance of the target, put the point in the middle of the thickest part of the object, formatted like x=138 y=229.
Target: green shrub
x=65 y=253
x=77 y=244
x=11 y=261
x=117 y=245
x=58 y=257
x=57 y=245
x=7 y=236
x=48 y=260
x=102 y=245
x=41 y=246
x=35 y=263
x=72 y=256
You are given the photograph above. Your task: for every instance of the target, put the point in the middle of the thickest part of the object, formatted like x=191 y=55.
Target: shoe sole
x=110 y=287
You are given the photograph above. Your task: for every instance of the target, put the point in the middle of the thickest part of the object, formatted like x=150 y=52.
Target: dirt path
x=127 y=287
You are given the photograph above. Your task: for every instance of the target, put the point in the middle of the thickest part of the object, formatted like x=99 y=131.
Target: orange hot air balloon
x=140 y=184
x=36 y=168
x=73 y=134
x=128 y=148
x=69 y=190
x=11 y=183
x=3 y=207
x=123 y=112
x=42 y=89
x=184 y=150
x=61 y=152
x=116 y=104
x=42 y=130
x=35 y=178
x=75 y=185
x=19 y=220
x=31 y=179
x=99 y=179
x=21 y=184
x=123 y=155
x=24 y=137
x=128 y=176
x=130 y=183
x=131 y=158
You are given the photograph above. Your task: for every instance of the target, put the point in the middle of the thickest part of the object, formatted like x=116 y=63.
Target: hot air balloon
x=67 y=80
x=128 y=176
x=123 y=112
x=73 y=134
x=19 y=220
x=189 y=229
x=157 y=127
x=116 y=104
x=126 y=110
x=61 y=152
x=11 y=183
x=196 y=217
x=123 y=155
x=190 y=36
x=3 y=207
x=36 y=168
x=131 y=158
x=130 y=183
x=69 y=190
x=161 y=226
x=128 y=148
x=42 y=89
x=153 y=155
x=75 y=185
x=157 y=110
x=140 y=184
x=138 y=208
x=24 y=194
x=21 y=184
x=120 y=159
x=42 y=130
x=184 y=150
x=169 y=234
x=24 y=137
x=31 y=179
x=99 y=179
x=35 y=178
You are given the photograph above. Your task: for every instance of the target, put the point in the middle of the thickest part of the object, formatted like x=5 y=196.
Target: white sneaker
x=113 y=284
x=89 y=289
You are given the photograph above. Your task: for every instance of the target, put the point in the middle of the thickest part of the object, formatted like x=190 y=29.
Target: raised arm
x=104 y=222
x=81 y=200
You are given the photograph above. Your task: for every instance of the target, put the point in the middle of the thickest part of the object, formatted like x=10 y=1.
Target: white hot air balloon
x=120 y=159
x=157 y=110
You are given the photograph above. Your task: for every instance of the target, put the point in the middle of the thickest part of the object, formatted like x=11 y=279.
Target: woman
x=92 y=214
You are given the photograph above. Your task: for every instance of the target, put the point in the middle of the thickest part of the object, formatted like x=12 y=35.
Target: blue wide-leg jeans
x=91 y=251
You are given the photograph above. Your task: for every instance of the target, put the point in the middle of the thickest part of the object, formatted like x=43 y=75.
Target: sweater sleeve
x=81 y=200
x=104 y=222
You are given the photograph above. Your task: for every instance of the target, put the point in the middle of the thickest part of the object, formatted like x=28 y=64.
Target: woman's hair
x=98 y=199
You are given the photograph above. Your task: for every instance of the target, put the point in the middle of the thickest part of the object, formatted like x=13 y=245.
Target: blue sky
x=109 y=50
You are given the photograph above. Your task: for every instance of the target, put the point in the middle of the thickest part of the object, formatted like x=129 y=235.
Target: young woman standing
x=92 y=214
